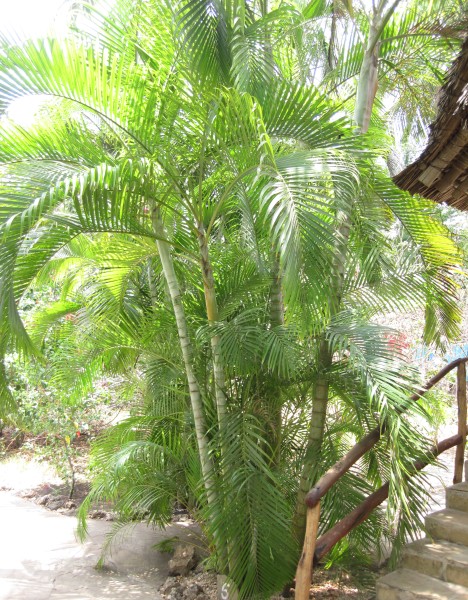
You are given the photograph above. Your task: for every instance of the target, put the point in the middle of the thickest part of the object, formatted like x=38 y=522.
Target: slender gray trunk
x=368 y=76
x=367 y=85
x=331 y=58
x=187 y=353
x=315 y=436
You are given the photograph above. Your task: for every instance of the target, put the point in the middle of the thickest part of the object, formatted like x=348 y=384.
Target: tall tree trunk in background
x=365 y=97
x=331 y=58
x=368 y=76
x=187 y=352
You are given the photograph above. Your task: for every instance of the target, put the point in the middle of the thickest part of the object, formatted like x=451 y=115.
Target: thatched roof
x=441 y=172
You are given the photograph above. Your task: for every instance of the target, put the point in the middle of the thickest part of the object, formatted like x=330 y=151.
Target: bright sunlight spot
x=29 y=19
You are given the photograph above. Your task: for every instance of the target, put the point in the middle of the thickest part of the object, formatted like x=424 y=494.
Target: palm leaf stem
x=276 y=320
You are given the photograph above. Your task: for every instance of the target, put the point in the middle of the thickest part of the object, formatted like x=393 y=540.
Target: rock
x=28 y=494
x=70 y=504
x=183 y=561
x=101 y=514
x=56 y=503
x=97 y=514
x=169 y=585
x=52 y=502
x=43 y=500
x=193 y=591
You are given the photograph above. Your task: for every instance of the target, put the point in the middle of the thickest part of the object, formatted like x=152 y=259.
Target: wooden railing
x=313 y=548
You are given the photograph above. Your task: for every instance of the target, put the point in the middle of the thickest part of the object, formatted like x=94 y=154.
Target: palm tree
x=365 y=52
x=352 y=53
x=220 y=204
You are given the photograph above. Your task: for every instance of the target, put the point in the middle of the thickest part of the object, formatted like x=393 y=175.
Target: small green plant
x=55 y=407
x=167 y=546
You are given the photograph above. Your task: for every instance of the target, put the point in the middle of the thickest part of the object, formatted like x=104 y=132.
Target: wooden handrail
x=314 y=549
x=363 y=511
x=369 y=441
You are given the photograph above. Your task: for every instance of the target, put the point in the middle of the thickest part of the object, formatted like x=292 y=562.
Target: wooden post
x=306 y=562
x=462 y=417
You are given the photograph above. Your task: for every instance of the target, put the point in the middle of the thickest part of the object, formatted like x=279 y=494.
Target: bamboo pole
x=305 y=565
x=462 y=417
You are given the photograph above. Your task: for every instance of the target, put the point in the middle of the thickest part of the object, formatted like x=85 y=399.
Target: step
x=404 y=584
x=457 y=496
x=440 y=559
x=448 y=524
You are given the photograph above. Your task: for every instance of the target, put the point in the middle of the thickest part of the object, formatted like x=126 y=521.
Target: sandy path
x=40 y=558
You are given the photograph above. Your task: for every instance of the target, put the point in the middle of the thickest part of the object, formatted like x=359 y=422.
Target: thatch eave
x=441 y=172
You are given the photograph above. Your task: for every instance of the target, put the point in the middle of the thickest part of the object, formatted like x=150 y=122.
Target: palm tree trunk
x=331 y=58
x=212 y=313
x=320 y=395
x=365 y=97
x=367 y=87
x=213 y=316
x=187 y=353
x=368 y=76
x=315 y=437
